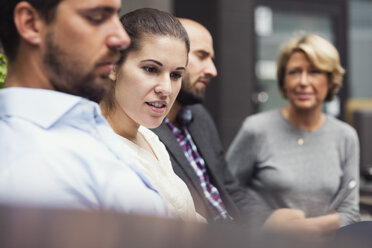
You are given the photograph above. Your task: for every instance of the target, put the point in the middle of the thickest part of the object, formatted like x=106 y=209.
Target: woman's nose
x=164 y=87
x=304 y=79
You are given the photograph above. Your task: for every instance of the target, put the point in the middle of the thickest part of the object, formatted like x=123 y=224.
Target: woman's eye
x=293 y=72
x=176 y=75
x=150 y=69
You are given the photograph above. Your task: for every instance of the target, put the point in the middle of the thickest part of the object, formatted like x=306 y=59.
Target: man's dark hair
x=9 y=36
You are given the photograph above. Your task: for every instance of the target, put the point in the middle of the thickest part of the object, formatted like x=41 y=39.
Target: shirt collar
x=172 y=127
x=184 y=117
x=40 y=106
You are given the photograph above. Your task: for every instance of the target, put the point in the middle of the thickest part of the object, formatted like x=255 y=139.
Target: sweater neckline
x=302 y=136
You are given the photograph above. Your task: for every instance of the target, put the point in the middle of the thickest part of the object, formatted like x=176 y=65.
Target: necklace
x=302 y=134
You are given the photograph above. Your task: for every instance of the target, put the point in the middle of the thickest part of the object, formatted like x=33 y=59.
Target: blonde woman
x=297 y=159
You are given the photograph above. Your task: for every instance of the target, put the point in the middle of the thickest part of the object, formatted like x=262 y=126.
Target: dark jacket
x=206 y=138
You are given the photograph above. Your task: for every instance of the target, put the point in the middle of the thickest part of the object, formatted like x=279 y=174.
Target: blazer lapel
x=175 y=151
x=211 y=161
x=203 y=146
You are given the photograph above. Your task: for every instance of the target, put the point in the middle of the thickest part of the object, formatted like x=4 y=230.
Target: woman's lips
x=304 y=96
x=157 y=107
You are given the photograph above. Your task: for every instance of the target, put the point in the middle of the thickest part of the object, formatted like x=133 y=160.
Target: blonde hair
x=321 y=54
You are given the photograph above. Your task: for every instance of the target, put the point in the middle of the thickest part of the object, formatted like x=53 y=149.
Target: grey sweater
x=286 y=167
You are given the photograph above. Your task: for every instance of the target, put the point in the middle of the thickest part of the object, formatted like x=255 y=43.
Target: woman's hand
x=294 y=221
x=284 y=220
x=324 y=226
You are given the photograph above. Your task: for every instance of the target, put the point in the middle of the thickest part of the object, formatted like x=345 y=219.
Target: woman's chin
x=305 y=105
x=153 y=124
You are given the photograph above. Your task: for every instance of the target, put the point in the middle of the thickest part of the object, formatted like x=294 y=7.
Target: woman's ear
x=28 y=23
x=113 y=75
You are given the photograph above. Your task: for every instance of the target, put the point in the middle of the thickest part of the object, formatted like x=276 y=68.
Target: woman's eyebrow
x=152 y=60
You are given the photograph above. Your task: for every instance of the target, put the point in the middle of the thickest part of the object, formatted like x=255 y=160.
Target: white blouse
x=160 y=173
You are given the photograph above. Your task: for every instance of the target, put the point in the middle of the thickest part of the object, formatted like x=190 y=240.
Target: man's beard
x=188 y=94
x=66 y=74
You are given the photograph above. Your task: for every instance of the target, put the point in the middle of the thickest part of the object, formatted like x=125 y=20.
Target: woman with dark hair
x=146 y=81
x=297 y=158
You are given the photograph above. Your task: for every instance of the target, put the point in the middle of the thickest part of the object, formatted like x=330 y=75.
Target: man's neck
x=26 y=71
x=172 y=115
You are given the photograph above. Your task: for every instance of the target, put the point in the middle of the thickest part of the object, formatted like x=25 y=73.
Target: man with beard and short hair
x=191 y=137
x=56 y=149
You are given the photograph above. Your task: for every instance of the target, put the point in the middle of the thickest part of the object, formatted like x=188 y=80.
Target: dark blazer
x=206 y=138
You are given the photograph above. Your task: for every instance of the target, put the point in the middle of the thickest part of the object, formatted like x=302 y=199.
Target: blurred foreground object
x=22 y=227
x=53 y=228
x=357 y=235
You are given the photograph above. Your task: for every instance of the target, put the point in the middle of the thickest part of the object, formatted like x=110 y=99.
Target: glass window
x=360 y=49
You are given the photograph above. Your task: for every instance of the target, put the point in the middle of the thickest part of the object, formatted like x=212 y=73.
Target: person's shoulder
x=198 y=109
x=54 y=146
x=262 y=120
x=341 y=127
x=201 y=115
x=18 y=134
x=20 y=147
x=339 y=124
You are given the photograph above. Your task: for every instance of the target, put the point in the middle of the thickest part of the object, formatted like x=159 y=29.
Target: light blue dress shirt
x=57 y=150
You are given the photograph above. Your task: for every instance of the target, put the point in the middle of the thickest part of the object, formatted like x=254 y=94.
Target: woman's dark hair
x=9 y=36
x=147 y=21
x=143 y=23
